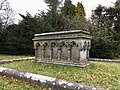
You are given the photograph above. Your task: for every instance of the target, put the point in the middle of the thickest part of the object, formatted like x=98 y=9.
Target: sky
x=32 y=6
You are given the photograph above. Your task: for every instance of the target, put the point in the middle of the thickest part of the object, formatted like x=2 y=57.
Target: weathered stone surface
x=53 y=83
x=104 y=60
x=71 y=47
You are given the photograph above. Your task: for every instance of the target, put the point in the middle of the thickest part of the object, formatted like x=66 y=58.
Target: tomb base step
x=81 y=64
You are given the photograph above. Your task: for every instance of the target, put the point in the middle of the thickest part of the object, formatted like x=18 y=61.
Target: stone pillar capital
x=43 y=48
x=69 y=48
x=51 y=48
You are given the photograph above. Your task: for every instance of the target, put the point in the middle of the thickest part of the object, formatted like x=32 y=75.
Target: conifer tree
x=117 y=20
x=53 y=17
x=80 y=12
x=68 y=10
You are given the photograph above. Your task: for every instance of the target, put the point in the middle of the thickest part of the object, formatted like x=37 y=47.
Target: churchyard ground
x=98 y=74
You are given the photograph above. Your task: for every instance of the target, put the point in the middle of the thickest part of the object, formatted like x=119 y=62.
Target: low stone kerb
x=54 y=83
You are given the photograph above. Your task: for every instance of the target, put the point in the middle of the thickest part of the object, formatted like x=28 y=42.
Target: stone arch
x=38 y=50
x=37 y=45
x=54 y=50
x=53 y=44
x=88 y=45
x=62 y=43
x=45 y=44
x=46 y=50
x=74 y=51
x=73 y=43
x=80 y=46
x=63 y=50
x=88 y=48
x=85 y=46
x=83 y=53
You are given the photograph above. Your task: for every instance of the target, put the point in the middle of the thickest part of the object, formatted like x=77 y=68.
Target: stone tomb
x=65 y=48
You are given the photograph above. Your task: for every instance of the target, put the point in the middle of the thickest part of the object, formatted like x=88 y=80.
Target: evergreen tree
x=68 y=10
x=53 y=17
x=80 y=12
x=19 y=37
x=113 y=14
x=101 y=23
x=72 y=21
x=117 y=20
x=104 y=21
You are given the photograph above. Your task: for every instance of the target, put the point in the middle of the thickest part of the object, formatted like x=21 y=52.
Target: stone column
x=51 y=53
x=87 y=52
x=36 y=54
x=59 y=53
x=87 y=56
x=43 y=53
x=88 y=48
x=36 y=51
x=80 y=55
x=69 y=54
x=80 y=50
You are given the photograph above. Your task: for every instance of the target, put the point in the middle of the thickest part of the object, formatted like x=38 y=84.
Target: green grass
x=99 y=74
x=14 y=84
x=6 y=57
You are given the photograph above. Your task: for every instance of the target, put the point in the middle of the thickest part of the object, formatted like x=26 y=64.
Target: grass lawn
x=99 y=74
x=14 y=84
x=5 y=57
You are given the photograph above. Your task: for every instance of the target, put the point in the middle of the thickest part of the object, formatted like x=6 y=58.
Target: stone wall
x=67 y=47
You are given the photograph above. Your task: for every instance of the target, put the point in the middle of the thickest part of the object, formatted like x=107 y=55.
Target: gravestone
x=65 y=48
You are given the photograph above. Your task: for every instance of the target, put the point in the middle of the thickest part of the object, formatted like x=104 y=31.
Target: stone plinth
x=66 y=47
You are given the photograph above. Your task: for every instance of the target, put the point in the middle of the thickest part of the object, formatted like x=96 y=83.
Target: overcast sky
x=32 y=6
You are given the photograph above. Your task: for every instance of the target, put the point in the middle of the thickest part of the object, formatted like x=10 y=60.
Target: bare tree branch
x=6 y=13
x=2 y=2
